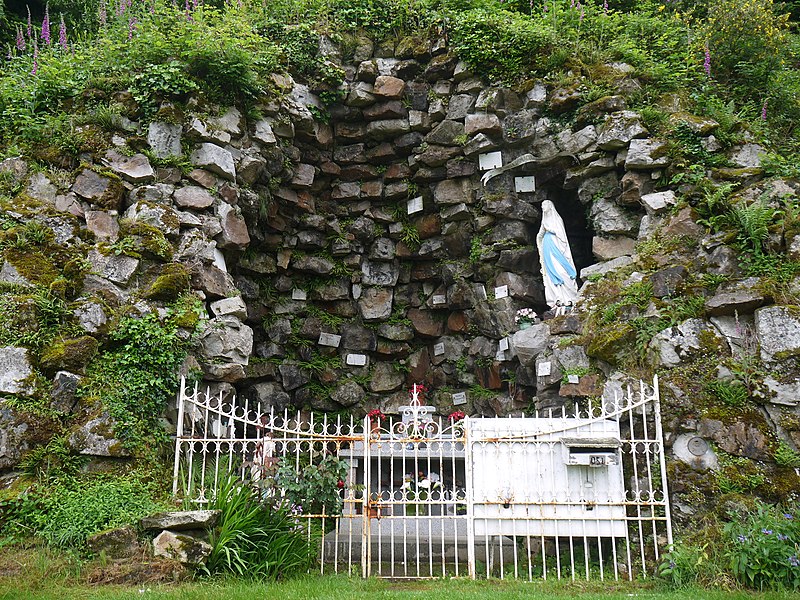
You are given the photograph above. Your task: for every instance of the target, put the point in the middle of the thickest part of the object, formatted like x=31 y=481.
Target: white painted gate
x=550 y=495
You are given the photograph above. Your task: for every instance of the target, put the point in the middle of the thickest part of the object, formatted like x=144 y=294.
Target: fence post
x=366 y=551
x=469 y=499
x=662 y=459
x=178 y=436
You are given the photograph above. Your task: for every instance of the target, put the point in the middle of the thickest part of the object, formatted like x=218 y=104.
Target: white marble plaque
x=543 y=370
x=573 y=378
x=525 y=184
x=501 y=292
x=459 y=398
x=439 y=299
x=438 y=349
x=329 y=339
x=504 y=344
x=490 y=160
x=356 y=360
x=500 y=355
x=298 y=294
x=415 y=205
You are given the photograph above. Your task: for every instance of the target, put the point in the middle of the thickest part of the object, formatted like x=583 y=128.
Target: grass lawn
x=341 y=587
x=40 y=573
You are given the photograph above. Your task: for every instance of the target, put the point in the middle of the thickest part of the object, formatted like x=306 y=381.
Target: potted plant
x=375 y=417
x=421 y=391
x=456 y=416
x=525 y=317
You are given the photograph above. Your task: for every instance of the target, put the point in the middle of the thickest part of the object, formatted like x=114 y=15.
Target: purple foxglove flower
x=46 y=25
x=30 y=26
x=20 y=40
x=103 y=15
x=35 y=68
x=62 y=34
x=764 y=111
x=131 y=27
x=707 y=62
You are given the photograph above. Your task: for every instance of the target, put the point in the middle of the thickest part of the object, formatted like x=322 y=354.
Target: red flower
x=375 y=415
x=340 y=484
x=457 y=415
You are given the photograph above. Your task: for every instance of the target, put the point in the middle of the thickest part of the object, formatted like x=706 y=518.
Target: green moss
x=112 y=197
x=33 y=265
x=139 y=238
x=70 y=355
x=611 y=344
x=781 y=484
x=171 y=283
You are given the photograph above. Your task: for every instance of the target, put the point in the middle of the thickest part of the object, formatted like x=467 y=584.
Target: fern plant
x=752 y=222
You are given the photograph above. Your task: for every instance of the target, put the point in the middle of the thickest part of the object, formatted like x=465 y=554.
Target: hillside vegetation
x=115 y=229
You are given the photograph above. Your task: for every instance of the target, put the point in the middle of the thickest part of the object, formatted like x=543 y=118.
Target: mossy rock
x=33 y=265
x=611 y=343
x=26 y=206
x=146 y=239
x=171 y=283
x=736 y=174
x=115 y=192
x=69 y=355
x=170 y=113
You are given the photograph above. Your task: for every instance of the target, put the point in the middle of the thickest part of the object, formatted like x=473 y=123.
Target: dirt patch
x=136 y=572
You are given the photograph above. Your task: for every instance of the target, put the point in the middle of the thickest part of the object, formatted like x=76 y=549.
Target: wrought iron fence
x=579 y=494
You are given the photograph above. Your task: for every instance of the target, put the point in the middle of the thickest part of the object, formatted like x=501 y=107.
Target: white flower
x=425 y=484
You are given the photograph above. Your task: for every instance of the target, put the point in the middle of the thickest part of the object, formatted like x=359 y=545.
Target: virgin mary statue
x=558 y=268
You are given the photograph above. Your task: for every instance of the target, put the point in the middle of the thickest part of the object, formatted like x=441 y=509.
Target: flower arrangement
x=375 y=415
x=525 y=316
x=456 y=416
x=419 y=488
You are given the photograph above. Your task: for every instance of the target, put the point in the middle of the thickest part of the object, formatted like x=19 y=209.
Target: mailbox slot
x=591 y=452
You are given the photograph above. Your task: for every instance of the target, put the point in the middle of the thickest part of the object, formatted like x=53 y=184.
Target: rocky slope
x=343 y=251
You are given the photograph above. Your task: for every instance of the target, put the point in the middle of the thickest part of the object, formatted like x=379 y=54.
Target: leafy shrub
x=683 y=564
x=764 y=548
x=77 y=513
x=316 y=487
x=498 y=43
x=137 y=376
x=745 y=37
x=161 y=82
x=379 y=17
x=66 y=514
x=256 y=538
